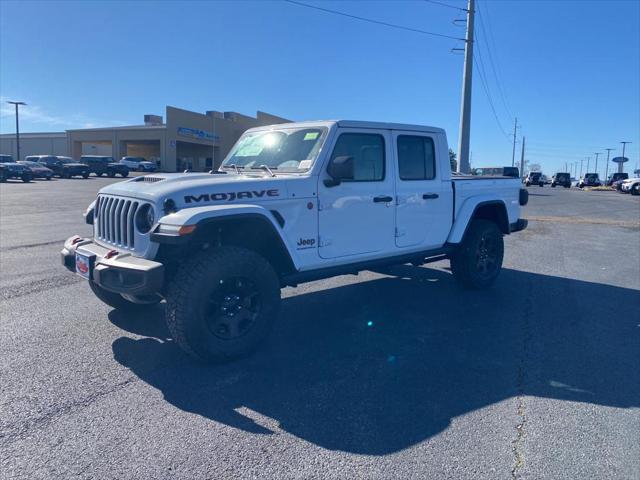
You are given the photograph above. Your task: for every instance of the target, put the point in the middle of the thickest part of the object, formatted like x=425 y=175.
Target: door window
x=367 y=151
x=416 y=158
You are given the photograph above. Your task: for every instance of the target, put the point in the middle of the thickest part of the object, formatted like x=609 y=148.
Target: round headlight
x=145 y=218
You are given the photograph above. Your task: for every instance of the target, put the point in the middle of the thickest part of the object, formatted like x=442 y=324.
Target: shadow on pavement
x=378 y=366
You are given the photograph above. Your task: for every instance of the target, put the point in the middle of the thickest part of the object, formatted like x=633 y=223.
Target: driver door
x=357 y=216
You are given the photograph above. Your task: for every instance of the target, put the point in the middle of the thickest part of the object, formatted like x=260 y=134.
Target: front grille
x=115 y=220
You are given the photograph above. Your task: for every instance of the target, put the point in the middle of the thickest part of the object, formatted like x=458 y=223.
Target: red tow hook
x=111 y=254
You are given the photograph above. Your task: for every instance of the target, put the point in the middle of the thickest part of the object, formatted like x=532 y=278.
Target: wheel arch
x=253 y=228
x=493 y=210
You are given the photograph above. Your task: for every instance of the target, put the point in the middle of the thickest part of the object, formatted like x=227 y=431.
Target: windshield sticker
x=305 y=164
x=311 y=135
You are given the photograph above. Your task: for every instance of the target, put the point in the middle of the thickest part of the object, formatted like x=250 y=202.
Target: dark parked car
x=614 y=177
x=63 y=167
x=37 y=169
x=6 y=158
x=14 y=170
x=589 y=180
x=561 y=178
x=104 y=166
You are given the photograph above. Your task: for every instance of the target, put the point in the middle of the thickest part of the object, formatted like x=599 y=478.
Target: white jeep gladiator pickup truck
x=291 y=203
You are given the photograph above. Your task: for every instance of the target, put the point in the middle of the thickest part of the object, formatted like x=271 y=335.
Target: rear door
x=424 y=202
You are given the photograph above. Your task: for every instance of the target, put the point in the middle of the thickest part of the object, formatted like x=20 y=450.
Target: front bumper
x=121 y=273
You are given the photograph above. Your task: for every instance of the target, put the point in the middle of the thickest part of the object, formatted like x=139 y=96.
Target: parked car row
x=49 y=166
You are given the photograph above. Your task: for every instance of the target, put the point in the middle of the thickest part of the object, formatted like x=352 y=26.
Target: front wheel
x=26 y=177
x=111 y=173
x=124 y=174
x=635 y=190
x=222 y=303
x=478 y=261
x=85 y=175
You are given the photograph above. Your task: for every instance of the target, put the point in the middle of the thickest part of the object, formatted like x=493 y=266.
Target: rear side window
x=367 y=150
x=416 y=158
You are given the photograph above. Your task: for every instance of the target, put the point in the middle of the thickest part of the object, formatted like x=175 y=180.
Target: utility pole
x=596 y=169
x=465 y=109
x=606 y=171
x=513 y=153
x=17 y=129
x=621 y=165
x=522 y=157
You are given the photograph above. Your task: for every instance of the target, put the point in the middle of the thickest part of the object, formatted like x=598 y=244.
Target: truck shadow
x=377 y=366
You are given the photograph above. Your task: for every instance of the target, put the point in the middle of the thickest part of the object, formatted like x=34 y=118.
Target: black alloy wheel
x=233 y=307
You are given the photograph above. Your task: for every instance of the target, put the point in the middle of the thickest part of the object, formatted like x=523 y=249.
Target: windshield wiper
x=266 y=169
x=234 y=166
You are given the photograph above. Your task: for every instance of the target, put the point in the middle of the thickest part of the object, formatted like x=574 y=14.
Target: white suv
x=138 y=164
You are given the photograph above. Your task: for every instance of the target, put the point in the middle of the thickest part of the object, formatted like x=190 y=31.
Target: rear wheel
x=222 y=303
x=111 y=173
x=85 y=175
x=124 y=174
x=478 y=261
x=117 y=301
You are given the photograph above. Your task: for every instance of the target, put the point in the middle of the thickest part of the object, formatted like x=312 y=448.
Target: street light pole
x=621 y=165
x=596 y=154
x=17 y=129
x=588 y=160
x=606 y=170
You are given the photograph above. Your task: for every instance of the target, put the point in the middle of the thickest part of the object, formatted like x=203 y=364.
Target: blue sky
x=569 y=70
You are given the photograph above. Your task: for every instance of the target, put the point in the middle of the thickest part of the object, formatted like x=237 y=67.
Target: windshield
x=591 y=175
x=535 y=174
x=287 y=149
x=562 y=176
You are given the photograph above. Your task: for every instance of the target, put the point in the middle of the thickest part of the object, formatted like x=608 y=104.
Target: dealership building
x=182 y=140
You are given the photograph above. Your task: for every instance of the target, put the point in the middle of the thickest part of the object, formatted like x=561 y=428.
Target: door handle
x=430 y=196
x=383 y=199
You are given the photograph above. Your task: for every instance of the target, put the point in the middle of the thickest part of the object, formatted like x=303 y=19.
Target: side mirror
x=340 y=168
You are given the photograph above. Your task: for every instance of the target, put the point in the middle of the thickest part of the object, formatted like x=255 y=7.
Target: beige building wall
x=54 y=143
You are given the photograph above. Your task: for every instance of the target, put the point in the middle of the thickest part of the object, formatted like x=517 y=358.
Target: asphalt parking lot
x=382 y=375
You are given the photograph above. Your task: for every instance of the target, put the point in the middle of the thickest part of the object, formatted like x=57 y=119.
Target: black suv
x=562 y=178
x=104 y=165
x=63 y=167
x=14 y=170
x=614 y=177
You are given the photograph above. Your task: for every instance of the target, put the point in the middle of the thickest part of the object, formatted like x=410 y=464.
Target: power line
x=493 y=67
x=446 y=5
x=485 y=86
x=486 y=91
x=370 y=20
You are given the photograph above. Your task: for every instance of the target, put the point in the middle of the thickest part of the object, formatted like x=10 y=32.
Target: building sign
x=195 y=133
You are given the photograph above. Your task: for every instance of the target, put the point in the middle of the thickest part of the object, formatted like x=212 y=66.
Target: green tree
x=453 y=161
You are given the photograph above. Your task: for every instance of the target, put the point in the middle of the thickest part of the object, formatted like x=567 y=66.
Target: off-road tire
x=116 y=300
x=202 y=279
x=635 y=190
x=464 y=262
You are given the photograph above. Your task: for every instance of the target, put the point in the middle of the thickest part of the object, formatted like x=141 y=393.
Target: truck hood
x=201 y=189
